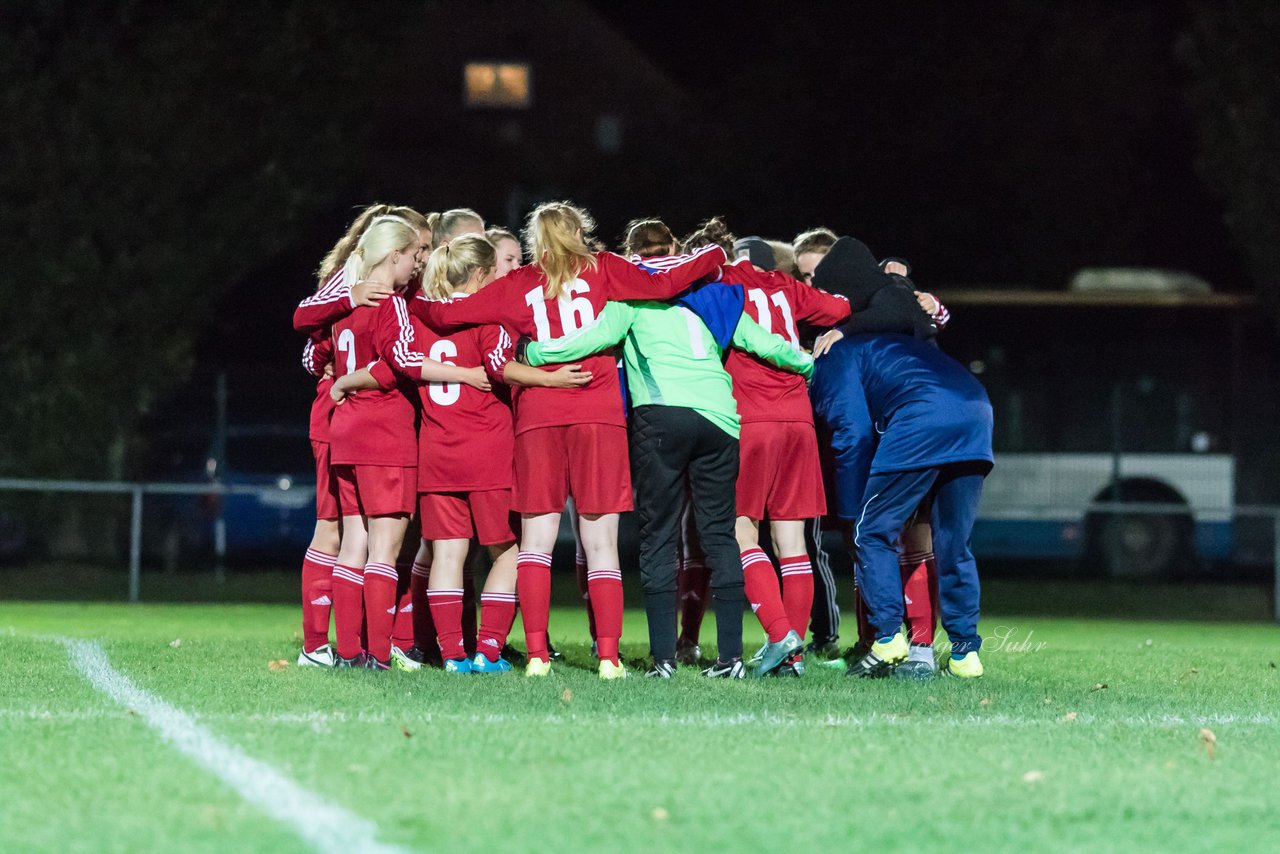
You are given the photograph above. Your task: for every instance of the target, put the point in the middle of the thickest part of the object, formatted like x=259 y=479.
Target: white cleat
x=321 y=656
x=401 y=661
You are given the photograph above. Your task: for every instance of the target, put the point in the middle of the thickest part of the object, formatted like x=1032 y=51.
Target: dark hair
x=713 y=231
x=647 y=238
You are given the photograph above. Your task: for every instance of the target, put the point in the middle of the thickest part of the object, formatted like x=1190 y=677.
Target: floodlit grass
x=1084 y=734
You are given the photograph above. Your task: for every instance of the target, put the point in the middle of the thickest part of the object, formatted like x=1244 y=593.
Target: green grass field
x=1091 y=735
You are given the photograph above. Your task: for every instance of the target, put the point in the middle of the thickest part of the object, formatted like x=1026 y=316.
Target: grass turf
x=1084 y=734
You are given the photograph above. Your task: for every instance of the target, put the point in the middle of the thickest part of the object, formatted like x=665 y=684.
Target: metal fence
x=1264 y=547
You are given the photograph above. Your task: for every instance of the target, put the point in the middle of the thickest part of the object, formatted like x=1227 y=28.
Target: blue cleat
x=773 y=655
x=480 y=664
x=458 y=665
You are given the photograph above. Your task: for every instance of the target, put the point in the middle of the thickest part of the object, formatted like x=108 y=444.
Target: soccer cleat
x=774 y=654
x=688 y=652
x=513 y=655
x=457 y=665
x=793 y=666
x=537 y=667
x=356 y=662
x=880 y=659
x=661 y=670
x=967 y=666
x=733 y=669
x=552 y=652
x=400 y=660
x=609 y=670
x=759 y=654
x=428 y=657
x=480 y=664
x=825 y=651
x=915 y=670
x=321 y=656
x=371 y=662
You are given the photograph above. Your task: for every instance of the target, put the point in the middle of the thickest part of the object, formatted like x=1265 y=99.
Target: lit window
x=497 y=84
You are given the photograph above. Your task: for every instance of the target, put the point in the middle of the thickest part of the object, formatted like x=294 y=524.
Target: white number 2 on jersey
x=576 y=310
x=347 y=344
x=445 y=394
x=765 y=318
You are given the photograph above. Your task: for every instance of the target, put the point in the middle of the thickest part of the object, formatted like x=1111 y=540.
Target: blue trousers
x=888 y=503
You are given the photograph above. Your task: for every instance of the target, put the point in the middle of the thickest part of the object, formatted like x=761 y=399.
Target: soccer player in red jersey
x=568 y=441
x=317 y=566
x=780 y=476
x=373 y=442
x=334 y=298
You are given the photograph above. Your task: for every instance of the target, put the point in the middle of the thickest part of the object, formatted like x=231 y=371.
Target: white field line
x=710 y=719
x=326 y=826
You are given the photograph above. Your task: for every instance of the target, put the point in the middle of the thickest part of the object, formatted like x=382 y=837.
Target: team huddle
x=479 y=398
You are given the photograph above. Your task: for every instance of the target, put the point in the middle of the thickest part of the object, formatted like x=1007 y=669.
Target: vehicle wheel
x=1143 y=546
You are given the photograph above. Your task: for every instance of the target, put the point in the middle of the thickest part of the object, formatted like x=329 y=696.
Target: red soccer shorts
x=461 y=515
x=376 y=490
x=586 y=461
x=326 y=485
x=779 y=473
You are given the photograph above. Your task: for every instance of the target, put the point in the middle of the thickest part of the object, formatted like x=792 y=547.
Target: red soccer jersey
x=317 y=353
x=467 y=439
x=779 y=303
x=517 y=302
x=376 y=426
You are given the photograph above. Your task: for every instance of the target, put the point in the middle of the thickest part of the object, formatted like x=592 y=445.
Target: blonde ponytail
x=451 y=265
x=341 y=251
x=556 y=235
x=385 y=234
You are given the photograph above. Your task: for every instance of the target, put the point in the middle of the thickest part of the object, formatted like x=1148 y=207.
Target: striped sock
x=606 y=603
x=317 y=598
x=497 y=613
x=348 y=608
x=533 y=586
x=380 y=581
x=760 y=583
x=446 y=610
x=797 y=591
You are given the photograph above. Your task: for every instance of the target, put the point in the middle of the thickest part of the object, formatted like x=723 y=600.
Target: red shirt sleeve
x=317 y=353
x=394 y=340
x=332 y=302
x=489 y=305
x=625 y=280
x=496 y=349
x=813 y=305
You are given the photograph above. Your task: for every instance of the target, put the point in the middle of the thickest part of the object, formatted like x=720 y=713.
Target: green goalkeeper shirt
x=672 y=358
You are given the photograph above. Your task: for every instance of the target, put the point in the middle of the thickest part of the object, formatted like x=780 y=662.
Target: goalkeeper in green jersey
x=684 y=424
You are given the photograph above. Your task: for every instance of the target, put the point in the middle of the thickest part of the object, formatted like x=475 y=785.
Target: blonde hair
x=555 y=236
x=784 y=258
x=814 y=240
x=451 y=265
x=444 y=227
x=341 y=251
x=385 y=234
x=497 y=233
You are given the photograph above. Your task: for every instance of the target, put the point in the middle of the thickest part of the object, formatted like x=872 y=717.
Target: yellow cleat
x=892 y=651
x=881 y=658
x=537 y=667
x=967 y=666
x=609 y=670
